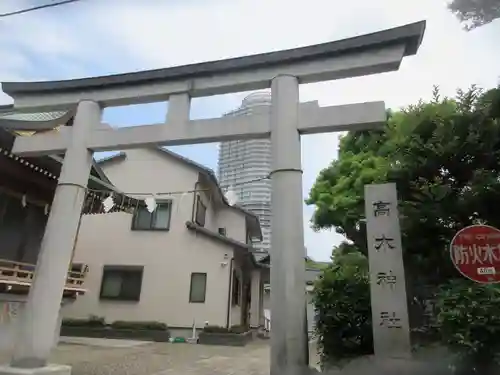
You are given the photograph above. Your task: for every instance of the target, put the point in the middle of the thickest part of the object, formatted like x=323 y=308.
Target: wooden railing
x=18 y=273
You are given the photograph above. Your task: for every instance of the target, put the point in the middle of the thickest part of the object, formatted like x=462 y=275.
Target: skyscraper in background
x=247 y=160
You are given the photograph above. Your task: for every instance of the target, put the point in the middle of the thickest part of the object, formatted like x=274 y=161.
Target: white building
x=191 y=260
x=249 y=160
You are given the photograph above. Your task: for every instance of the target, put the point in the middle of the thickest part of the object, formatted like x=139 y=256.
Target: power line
x=26 y=10
x=106 y=197
x=179 y=192
x=102 y=194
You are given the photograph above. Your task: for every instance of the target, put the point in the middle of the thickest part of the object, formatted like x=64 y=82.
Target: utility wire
x=180 y=191
x=101 y=194
x=26 y=10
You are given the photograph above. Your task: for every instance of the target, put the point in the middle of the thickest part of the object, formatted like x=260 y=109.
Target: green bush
x=144 y=325
x=215 y=329
x=75 y=322
x=342 y=302
x=218 y=329
x=92 y=321
x=238 y=329
x=469 y=317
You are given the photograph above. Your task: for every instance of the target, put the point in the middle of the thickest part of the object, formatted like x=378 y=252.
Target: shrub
x=218 y=329
x=469 y=317
x=342 y=302
x=92 y=321
x=145 y=325
x=215 y=329
x=97 y=321
x=238 y=329
x=68 y=322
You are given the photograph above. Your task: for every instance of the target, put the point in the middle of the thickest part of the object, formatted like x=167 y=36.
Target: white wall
x=232 y=219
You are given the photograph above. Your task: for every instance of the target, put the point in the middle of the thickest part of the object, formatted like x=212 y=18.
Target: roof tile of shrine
x=14 y=123
x=34 y=121
x=39 y=116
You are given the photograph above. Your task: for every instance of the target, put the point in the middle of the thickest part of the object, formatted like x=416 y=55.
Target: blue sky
x=98 y=37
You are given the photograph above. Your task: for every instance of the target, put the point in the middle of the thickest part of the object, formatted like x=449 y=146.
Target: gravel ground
x=115 y=357
x=163 y=359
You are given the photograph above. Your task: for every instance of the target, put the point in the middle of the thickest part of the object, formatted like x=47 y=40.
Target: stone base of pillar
x=312 y=371
x=51 y=369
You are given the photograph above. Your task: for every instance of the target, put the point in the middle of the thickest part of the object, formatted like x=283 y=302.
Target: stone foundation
x=47 y=370
x=11 y=307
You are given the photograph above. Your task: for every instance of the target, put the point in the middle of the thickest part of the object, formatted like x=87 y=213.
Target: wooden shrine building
x=27 y=187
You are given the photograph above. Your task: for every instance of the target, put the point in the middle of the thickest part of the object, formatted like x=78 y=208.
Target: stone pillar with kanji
x=391 y=331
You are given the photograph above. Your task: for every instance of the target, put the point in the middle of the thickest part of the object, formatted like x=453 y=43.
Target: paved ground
x=110 y=357
x=124 y=357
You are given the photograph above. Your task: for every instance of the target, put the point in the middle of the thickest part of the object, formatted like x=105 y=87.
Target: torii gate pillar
x=288 y=340
x=37 y=330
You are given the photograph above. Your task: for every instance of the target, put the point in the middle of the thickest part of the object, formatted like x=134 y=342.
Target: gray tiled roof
x=40 y=116
x=260 y=256
x=35 y=121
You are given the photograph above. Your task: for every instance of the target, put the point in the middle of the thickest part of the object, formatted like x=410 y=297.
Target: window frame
x=191 y=300
x=199 y=202
x=107 y=269
x=135 y=227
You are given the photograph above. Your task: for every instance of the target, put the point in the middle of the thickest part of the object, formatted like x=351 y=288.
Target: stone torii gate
x=283 y=71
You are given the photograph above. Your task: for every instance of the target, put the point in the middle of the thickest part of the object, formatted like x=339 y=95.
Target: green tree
x=349 y=258
x=443 y=155
x=475 y=13
x=342 y=302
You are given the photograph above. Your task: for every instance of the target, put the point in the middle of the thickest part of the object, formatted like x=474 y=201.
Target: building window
x=159 y=219
x=121 y=283
x=201 y=212
x=222 y=231
x=236 y=293
x=198 y=289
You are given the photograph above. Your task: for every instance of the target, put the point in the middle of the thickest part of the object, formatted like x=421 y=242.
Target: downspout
x=229 y=294
x=70 y=266
x=194 y=201
x=76 y=240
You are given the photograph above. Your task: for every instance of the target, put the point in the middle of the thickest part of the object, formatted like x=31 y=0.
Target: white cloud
x=108 y=36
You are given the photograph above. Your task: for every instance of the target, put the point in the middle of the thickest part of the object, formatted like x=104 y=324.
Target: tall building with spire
x=242 y=163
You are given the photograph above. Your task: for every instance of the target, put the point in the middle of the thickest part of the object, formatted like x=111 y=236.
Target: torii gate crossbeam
x=182 y=131
x=282 y=71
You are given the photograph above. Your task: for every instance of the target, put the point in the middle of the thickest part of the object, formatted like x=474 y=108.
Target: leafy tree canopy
x=444 y=157
x=475 y=13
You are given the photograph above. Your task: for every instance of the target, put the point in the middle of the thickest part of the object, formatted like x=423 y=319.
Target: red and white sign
x=475 y=252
